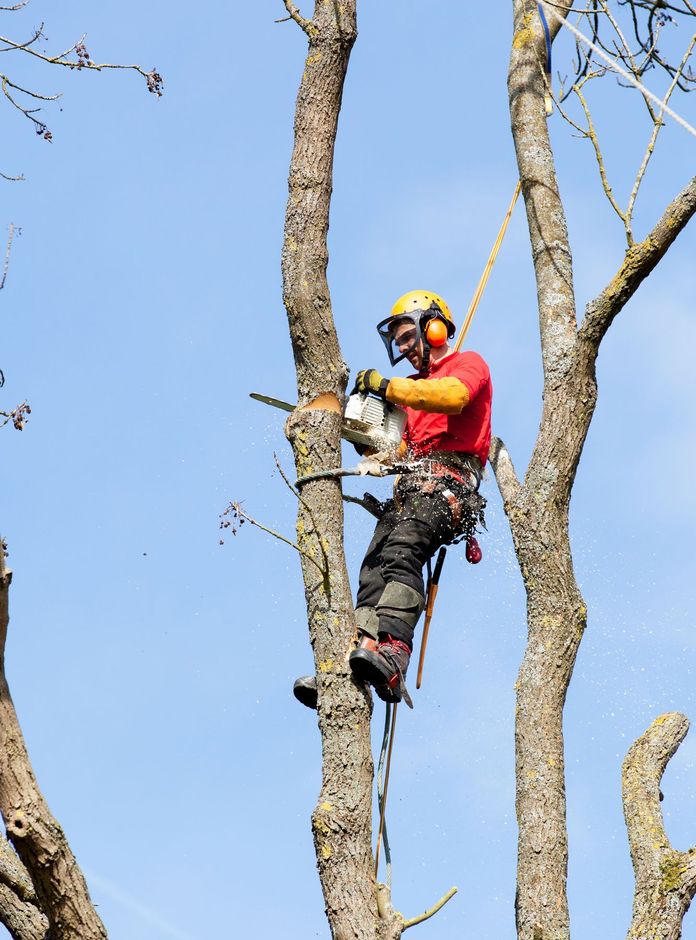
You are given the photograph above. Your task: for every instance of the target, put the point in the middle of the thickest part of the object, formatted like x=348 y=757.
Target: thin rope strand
x=486 y=272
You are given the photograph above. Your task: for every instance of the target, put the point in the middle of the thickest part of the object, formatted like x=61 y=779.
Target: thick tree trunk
x=37 y=837
x=342 y=818
x=538 y=509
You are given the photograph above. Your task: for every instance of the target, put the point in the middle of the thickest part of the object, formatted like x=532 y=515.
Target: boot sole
x=367 y=667
x=305 y=691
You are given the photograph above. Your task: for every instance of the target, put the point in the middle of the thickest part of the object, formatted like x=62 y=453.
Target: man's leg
x=370 y=588
x=422 y=525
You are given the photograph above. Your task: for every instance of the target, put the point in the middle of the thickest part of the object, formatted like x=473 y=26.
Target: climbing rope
x=478 y=293
x=382 y=786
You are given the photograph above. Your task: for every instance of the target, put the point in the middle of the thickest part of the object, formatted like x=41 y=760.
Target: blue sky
x=151 y=667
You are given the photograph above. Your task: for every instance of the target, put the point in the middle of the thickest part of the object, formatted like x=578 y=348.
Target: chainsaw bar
x=353 y=431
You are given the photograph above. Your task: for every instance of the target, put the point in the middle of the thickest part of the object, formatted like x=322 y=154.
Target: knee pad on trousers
x=400 y=600
x=367 y=621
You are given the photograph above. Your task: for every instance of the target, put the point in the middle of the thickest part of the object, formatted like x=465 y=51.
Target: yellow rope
x=486 y=271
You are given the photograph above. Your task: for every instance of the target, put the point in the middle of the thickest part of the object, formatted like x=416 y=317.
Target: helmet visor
x=400 y=335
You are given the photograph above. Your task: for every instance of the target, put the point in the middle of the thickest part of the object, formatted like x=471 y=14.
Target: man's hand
x=369 y=380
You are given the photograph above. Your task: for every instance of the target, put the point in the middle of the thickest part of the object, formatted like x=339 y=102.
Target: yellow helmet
x=422 y=308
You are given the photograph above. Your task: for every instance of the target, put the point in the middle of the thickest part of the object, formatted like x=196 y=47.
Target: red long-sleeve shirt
x=468 y=432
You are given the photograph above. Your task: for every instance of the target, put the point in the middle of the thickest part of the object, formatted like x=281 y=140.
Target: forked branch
x=294 y=14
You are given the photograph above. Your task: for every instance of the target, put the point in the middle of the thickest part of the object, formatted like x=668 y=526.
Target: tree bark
x=665 y=878
x=19 y=911
x=341 y=820
x=23 y=919
x=36 y=836
x=537 y=509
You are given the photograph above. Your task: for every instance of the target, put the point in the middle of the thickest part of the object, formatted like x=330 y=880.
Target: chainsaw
x=367 y=420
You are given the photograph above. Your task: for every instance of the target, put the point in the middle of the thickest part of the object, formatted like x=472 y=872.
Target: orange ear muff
x=436 y=332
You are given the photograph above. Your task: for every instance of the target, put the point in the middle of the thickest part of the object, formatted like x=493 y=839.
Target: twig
x=659 y=123
x=29 y=113
x=613 y=64
x=294 y=14
x=631 y=59
x=592 y=134
x=6 y=265
x=18 y=417
x=245 y=517
x=433 y=910
x=38 y=34
x=153 y=78
x=296 y=492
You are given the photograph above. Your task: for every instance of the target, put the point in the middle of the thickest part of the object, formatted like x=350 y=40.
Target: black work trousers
x=408 y=533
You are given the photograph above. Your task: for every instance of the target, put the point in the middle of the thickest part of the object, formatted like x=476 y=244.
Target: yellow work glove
x=369 y=380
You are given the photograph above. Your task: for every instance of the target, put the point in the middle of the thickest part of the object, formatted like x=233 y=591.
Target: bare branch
x=234 y=515
x=28 y=113
x=6 y=264
x=294 y=14
x=82 y=60
x=640 y=260
x=18 y=416
x=592 y=135
x=665 y=878
x=37 y=34
x=648 y=18
x=653 y=139
x=293 y=489
x=431 y=911
x=504 y=471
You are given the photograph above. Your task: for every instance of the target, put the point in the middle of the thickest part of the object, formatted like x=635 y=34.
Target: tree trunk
x=37 y=837
x=342 y=818
x=537 y=510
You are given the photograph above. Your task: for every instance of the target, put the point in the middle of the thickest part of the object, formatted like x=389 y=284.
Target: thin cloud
x=145 y=913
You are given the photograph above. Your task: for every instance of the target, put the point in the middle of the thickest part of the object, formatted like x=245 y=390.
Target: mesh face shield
x=400 y=335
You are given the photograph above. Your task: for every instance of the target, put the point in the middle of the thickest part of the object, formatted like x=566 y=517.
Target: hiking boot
x=305 y=688
x=305 y=691
x=384 y=668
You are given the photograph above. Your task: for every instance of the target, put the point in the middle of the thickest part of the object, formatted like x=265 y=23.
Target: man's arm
x=447 y=396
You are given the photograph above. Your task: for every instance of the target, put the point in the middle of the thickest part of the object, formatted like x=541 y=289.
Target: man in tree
x=446 y=441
